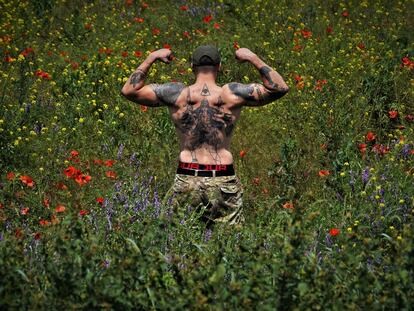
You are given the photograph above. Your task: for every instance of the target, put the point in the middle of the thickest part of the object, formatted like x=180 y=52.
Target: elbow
x=125 y=92
x=283 y=90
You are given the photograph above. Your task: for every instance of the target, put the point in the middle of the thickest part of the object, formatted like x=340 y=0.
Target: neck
x=202 y=78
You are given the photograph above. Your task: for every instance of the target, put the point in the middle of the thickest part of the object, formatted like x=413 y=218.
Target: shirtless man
x=204 y=115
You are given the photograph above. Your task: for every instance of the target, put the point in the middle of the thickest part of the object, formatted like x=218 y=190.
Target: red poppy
x=100 y=200
x=297 y=47
x=82 y=179
x=109 y=163
x=370 y=136
x=186 y=34
x=24 y=211
x=46 y=202
x=409 y=117
x=345 y=13
x=143 y=108
x=42 y=74
x=124 y=54
x=380 y=149
x=60 y=208
x=334 y=232
x=37 y=236
x=61 y=186
x=18 y=233
x=242 y=153
x=8 y=59
x=236 y=45
x=324 y=173
x=54 y=220
x=27 y=180
x=207 y=19
x=156 y=31
x=138 y=19
x=406 y=62
x=306 y=33
x=88 y=26
x=256 y=181
x=184 y=8
x=97 y=162
x=83 y=212
x=26 y=51
x=216 y=25
x=362 y=148
x=129 y=2
x=167 y=46
x=110 y=174
x=329 y=30
x=144 y=5
x=74 y=153
x=70 y=171
x=288 y=205
x=138 y=53
x=10 y=176
x=361 y=46
x=393 y=114
x=44 y=222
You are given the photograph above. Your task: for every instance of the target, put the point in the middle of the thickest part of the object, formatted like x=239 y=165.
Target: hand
x=164 y=55
x=243 y=55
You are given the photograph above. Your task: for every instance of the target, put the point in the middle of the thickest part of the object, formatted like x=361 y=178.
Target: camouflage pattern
x=217 y=199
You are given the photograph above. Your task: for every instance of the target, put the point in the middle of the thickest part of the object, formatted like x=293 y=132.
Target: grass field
x=328 y=170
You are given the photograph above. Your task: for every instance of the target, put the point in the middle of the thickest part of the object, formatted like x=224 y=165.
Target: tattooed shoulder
x=244 y=91
x=168 y=93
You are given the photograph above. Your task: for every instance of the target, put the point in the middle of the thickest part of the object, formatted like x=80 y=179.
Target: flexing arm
x=153 y=95
x=273 y=87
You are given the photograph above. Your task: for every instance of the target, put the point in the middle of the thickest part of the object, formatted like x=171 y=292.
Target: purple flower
x=208 y=235
x=365 y=176
x=120 y=150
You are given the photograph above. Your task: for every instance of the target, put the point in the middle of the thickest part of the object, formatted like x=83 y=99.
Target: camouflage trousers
x=216 y=199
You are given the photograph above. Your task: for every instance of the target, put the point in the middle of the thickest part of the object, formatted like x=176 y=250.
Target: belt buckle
x=195 y=173
x=214 y=173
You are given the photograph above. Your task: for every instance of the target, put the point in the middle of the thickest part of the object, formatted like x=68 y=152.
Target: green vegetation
x=328 y=170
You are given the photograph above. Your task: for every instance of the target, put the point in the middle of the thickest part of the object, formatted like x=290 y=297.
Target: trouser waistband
x=205 y=170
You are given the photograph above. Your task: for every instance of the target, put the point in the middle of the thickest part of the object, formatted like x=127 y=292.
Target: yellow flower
x=81 y=120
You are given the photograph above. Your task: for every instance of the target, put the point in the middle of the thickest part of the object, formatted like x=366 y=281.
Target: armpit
x=168 y=93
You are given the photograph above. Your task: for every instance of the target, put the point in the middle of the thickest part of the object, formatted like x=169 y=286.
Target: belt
x=205 y=170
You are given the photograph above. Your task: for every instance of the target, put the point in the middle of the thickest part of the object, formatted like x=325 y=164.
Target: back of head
x=205 y=58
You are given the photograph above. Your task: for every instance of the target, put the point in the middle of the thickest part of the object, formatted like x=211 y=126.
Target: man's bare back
x=204 y=113
x=204 y=117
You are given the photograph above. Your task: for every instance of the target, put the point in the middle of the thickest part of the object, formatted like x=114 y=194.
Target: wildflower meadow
x=328 y=170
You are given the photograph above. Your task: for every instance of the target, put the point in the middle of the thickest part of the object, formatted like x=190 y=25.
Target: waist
x=205 y=170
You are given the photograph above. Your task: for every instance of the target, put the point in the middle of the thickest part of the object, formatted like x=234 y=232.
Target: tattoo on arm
x=242 y=90
x=137 y=77
x=265 y=72
x=168 y=93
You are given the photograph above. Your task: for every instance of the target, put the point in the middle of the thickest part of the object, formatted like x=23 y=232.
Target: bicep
x=145 y=96
x=254 y=94
x=156 y=95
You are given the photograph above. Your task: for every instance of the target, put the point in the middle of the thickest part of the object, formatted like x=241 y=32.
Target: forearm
x=137 y=79
x=272 y=80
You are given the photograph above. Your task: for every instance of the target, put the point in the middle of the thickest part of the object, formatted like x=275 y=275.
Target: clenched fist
x=244 y=54
x=164 y=55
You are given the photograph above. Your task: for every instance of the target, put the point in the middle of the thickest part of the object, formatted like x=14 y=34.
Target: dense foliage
x=328 y=170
